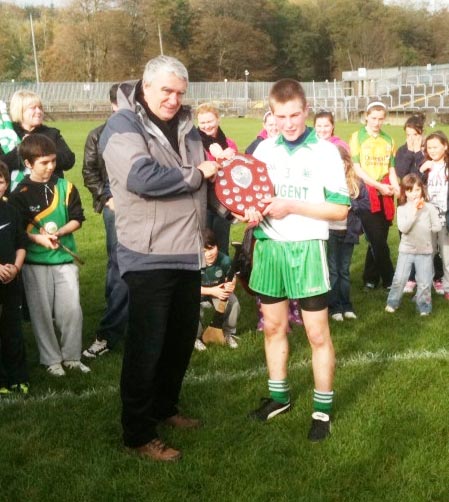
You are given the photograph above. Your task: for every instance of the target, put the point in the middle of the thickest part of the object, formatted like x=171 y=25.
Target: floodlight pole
x=36 y=67
x=246 y=91
x=160 y=39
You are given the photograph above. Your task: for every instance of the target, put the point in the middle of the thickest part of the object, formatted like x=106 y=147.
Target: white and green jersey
x=311 y=172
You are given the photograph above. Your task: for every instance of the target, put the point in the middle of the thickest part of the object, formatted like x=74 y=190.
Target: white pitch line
x=358 y=359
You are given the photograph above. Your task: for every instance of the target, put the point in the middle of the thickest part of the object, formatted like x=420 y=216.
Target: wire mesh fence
x=401 y=89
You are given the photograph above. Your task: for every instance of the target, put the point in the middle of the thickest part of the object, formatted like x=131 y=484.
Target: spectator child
x=13 y=371
x=342 y=237
x=324 y=125
x=373 y=152
x=435 y=176
x=410 y=156
x=50 y=277
x=417 y=221
x=215 y=288
x=269 y=130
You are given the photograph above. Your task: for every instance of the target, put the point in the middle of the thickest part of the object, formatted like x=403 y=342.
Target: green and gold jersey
x=375 y=154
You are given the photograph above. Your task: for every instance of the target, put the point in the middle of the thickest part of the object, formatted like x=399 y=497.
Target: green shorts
x=290 y=269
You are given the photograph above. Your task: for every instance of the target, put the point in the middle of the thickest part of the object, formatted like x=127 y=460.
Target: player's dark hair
x=407 y=184
x=209 y=238
x=324 y=114
x=4 y=172
x=442 y=138
x=35 y=146
x=287 y=89
x=416 y=122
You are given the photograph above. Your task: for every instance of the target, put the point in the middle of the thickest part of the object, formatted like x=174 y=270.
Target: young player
x=49 y=274
x=215 y=288
x=290 y=256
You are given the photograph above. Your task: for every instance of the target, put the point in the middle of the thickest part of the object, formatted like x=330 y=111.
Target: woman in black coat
x=27 y=114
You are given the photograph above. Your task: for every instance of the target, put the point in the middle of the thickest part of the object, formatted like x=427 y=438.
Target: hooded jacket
x=160 y=196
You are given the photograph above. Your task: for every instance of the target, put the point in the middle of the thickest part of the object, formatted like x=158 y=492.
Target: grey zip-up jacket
x=160 y=196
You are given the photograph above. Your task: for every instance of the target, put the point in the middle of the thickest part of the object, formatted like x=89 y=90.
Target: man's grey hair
x=165 y=64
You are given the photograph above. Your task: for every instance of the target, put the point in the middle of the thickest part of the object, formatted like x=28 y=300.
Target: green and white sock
x=322 y=401
x=279 y=391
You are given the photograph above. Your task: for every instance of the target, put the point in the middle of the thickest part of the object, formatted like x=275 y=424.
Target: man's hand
x=110 y=204
x=209 y=168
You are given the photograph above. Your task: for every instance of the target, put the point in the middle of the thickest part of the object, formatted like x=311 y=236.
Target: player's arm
x=394 y=182
x=75 y=214
x=10 y=271
x=330 y=211
x=70 y=227
x=364 y=176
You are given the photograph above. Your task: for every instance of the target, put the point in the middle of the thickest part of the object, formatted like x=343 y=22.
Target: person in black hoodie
x=13 y=241
x=27 y=114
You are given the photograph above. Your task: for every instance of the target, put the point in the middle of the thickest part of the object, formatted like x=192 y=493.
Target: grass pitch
x=390 y=434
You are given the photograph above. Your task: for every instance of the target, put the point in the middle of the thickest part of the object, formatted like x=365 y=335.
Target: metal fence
x=401 y=89
x=232 y=98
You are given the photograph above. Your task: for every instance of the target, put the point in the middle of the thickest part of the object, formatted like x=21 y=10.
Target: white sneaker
x=56 y=370
x=409 y=287
x=199 y=345
x=390 y=309
x=337 y=317
x=350 y=315
x=76 y=365
x=98 y=348
x=231 y=342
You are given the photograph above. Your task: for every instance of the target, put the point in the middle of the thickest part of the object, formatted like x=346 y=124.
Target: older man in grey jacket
x=158 y=178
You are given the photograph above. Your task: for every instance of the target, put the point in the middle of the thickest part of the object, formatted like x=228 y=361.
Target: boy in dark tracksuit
x=13 y=371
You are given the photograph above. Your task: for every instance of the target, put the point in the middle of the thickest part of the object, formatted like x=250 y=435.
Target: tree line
x=108 y=40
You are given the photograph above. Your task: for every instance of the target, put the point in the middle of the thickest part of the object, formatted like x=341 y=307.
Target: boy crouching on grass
x=51 y=210
x=215 y=288
x=13 y=241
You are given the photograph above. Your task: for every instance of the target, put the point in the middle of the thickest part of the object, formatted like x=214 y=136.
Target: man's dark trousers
x=163 y=321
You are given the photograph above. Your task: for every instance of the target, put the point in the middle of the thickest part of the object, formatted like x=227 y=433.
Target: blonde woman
x=27 y=114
